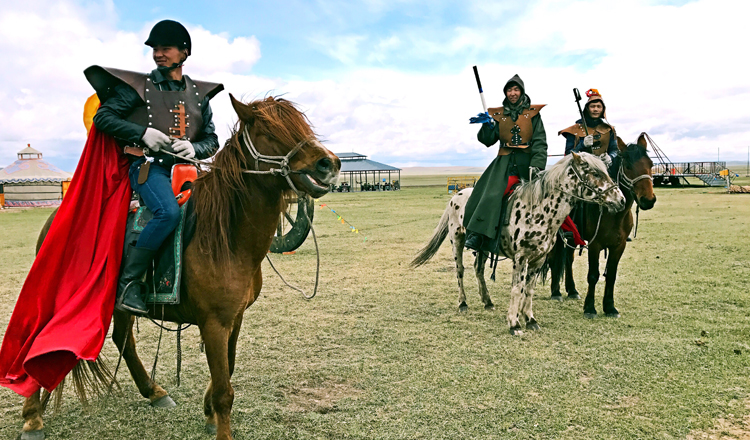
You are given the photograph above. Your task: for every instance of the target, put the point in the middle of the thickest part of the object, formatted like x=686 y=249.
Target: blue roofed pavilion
x=357 y=169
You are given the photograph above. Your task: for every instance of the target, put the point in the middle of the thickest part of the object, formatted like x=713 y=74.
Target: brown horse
x=237 y=211
x=604 y=230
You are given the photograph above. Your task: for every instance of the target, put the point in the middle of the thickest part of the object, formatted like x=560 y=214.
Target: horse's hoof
x=556 y=298
x=516 y=332
x=489 y=307
x=463 y=307
x=210 y=429
x=532 y=325
x=589 y=315
x=574 y=295
x=164 y=402
x=612 y=315
x=31 y=435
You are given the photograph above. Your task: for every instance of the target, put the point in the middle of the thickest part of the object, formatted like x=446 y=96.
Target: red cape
x=65 y=306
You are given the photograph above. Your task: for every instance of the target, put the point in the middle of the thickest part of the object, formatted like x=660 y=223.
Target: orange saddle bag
x=183 y=176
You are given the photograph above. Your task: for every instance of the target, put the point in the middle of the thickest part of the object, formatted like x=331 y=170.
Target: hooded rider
x=523 y=153
x=151 y=115
x=601 y=139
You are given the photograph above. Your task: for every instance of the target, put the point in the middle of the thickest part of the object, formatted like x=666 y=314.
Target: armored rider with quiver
x=152 y=115
x=523 y=152
x=601 y=138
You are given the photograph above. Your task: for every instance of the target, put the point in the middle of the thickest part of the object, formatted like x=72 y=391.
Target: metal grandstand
x=666 y=172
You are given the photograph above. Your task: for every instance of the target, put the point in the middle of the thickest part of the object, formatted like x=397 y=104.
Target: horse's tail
x=431 y=248
x=90 y=378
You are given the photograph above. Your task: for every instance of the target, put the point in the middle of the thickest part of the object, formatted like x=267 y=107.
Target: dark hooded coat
x=485 y=206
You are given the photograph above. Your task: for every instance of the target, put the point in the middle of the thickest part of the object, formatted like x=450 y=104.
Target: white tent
x=32 y=181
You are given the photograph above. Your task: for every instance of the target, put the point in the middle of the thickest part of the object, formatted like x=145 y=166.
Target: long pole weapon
x=481 y=92
x=577 y=94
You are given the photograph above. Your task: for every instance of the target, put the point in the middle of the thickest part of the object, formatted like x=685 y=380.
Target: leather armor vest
x=177 y=114
x=514 y=135
x=602 y=134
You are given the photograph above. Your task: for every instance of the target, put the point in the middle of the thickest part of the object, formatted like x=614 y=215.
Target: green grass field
x=382 y=352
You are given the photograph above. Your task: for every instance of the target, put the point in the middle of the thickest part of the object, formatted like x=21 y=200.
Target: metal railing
x=687 y=168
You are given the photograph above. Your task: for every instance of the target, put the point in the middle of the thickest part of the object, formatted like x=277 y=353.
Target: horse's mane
x=533 y=191
x=221 y=195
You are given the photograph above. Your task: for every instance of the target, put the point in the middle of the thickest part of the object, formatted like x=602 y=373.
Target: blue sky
x=392 y=79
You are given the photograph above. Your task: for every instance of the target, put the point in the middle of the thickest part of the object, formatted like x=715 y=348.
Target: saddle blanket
x=164 y=276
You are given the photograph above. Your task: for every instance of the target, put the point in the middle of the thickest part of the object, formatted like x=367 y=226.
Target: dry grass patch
x=321 y=398
x=729 y=428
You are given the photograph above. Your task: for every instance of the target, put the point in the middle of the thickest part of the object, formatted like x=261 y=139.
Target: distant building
x=32 y=181
x=357 y=170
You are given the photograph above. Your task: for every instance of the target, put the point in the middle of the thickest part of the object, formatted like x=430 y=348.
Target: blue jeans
x=159 y=198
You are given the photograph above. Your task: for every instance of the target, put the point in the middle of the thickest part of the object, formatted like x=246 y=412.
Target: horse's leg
x=589 y=308
x=479 y=262
x=32 y=418
x=216 y=339
x=528 y=313
x=570 y=282
x=611 y=275
x=557 y=267
x=208 y=408
x=458 y=256
x=148 y=388
x=517 y=294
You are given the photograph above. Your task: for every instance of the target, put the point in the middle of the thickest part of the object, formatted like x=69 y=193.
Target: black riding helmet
x=169 y=33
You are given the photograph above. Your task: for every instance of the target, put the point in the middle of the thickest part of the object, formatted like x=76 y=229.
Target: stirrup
x=121 y=298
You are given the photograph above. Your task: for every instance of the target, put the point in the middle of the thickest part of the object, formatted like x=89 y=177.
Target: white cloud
x=675 y=72
x=45 y=46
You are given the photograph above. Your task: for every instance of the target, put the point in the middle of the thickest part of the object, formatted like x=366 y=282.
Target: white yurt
x=32 y=181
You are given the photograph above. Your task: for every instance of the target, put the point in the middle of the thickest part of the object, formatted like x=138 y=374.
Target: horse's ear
x=244 y=112
x=621 y=145
x=577 y=158
x=642 y=141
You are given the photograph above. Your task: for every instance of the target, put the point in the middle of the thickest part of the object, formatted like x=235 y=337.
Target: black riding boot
x=130 y=287
x=473 y=241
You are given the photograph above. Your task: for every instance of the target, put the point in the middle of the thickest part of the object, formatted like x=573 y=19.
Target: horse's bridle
x=599 y=193
x=627 y=182
x=282 y=162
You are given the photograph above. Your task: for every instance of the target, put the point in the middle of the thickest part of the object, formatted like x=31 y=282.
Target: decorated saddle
x=164 y=277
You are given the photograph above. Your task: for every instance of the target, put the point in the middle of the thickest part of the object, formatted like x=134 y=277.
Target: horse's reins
x=629 y=184
x=622 y=180
x=284 y=170
x=598 y=198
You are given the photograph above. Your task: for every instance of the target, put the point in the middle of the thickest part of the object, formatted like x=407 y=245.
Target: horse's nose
x=647 y=203
x=324 y=165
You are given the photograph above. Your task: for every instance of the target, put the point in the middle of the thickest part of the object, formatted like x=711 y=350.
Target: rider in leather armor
x=601 y=139
x=523 y=152
x=152 y=115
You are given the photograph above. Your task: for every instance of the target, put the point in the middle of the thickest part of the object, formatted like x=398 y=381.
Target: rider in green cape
x=523 y=150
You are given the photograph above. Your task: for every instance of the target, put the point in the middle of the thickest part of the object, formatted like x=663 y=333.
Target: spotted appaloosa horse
x=632 y=171
x=538 y=208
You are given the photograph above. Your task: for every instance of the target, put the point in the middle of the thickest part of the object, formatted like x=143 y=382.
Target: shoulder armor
x=207 y=89
x=575 y=130
x=531 y=111
x=105 y=79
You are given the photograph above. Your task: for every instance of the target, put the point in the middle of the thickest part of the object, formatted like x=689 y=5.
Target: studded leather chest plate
x=176 y=114
x=514 y=134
